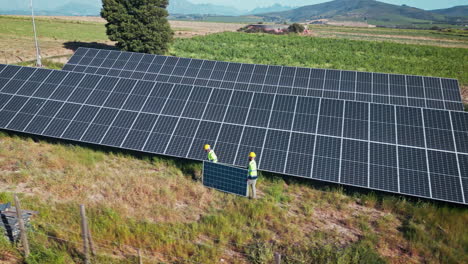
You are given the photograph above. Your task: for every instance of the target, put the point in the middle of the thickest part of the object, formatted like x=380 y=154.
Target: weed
x=370 y=200
x=45 y=62
x=260 y=252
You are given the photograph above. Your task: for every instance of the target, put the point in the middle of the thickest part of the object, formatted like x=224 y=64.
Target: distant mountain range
x=273 y=8
x=366 y=10
x=93 y=7
x=186 y=7
x=456 y=11
x=372 y=11
x=54 y=7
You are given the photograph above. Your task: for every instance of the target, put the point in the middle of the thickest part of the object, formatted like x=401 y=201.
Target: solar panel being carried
x=225 y=178
x=405 y=90
x=414 y=151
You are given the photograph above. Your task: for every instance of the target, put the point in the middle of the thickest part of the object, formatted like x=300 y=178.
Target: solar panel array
x=414 y=151
x=393 y=89
x=225 y=178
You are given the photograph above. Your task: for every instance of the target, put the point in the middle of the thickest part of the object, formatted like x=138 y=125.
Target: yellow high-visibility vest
x=253 y=170
x=212 y=156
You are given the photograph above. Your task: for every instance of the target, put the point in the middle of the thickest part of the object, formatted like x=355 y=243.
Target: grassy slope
x=53 y=29
x=56 y=37
x=155 y=204
x=328 y=53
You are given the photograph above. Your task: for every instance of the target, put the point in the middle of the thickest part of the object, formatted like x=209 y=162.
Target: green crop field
x=328 y=53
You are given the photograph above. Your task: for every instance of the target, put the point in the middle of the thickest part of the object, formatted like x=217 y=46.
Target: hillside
x=456 y=11
x=357 y=10
x=273 y=8
x=157 y=204
x=187 y=7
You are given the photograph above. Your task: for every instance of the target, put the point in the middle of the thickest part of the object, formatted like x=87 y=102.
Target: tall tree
x=138 y=25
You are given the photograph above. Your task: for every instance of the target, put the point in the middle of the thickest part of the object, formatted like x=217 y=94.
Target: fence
x=91 y=247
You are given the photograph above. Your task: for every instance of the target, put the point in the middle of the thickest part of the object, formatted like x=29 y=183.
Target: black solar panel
x=395 y=89
x=414 y=151
x=225 y=178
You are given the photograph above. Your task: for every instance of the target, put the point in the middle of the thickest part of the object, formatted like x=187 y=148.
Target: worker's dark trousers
x=251 y=184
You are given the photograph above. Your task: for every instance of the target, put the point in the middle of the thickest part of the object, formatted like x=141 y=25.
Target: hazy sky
x=239 y=4
x=249 y=4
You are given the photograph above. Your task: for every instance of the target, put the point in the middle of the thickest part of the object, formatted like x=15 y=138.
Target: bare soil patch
x=464 y=94
x=398 y=36
x=185 y=26
x=19 y=49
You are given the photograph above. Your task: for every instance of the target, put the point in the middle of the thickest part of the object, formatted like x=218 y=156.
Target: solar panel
x=414 y=151
x=225 y=178
x=395 y=89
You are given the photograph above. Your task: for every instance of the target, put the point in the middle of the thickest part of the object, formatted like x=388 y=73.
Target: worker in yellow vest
x=253 y=176
x=211 y=154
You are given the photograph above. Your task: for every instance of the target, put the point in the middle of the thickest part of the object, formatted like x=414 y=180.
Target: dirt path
x=397 y=36
x=438 y=42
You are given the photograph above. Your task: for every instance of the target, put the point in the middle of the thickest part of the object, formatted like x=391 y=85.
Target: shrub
x=296 y=28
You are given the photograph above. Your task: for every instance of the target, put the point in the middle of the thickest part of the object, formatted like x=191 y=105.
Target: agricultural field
x=328 y=53
x=331 y=53
x=60 y=36
x=219 y=19
x=444 y=53
x=444 y=38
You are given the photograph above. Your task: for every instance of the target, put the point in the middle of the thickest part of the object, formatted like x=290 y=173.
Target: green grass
x=253 y=230
x=47 y=63
x=53 y=29
x=328 y=53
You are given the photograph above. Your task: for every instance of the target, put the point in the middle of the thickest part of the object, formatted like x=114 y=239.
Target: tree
x=296 y=28
x=138 y=25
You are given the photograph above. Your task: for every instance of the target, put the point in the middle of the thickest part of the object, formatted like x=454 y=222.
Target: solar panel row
x=394 y=89
x=414 y=151
x=225 y=178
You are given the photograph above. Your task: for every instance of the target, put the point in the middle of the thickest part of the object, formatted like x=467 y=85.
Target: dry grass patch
x=156 y=204
x=133 y=187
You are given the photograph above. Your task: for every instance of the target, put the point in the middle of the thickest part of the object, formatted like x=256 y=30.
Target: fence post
x=84 y=234
x=277 y=258
x=140 y=259
x=24 y=237
x=90 y=239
